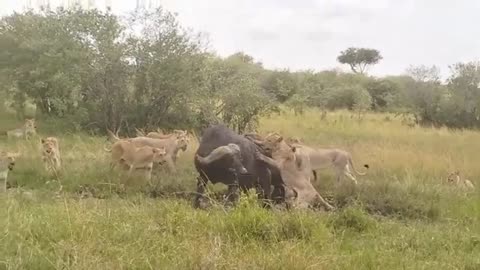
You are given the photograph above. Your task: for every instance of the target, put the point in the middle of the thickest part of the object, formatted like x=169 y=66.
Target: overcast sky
x=309 y=34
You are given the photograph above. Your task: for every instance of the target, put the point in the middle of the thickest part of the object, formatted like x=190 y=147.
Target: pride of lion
x=296 y=161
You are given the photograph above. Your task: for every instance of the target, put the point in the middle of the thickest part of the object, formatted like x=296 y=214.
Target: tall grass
x=402 y=215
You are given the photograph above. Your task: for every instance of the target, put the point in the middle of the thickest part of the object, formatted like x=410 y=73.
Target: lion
x=51 y=154
x=153 y=134
x=292 y=140
x=7 y=163
x=256 y=136
x=160 y=135
x=139 y=132
x=172 y=146
x=180 y=143
x=455 y=179
x=321 y=158
x=340 y=160
x=29 y=129
x=295 y=169
x=131 y=157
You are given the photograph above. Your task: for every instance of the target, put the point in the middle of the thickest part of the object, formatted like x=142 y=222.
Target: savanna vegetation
x=82 y=72
x=97 y=70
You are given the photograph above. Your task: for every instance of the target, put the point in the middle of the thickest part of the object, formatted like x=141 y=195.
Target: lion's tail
x=353 y=167
x=139 y=133
x=112 y=136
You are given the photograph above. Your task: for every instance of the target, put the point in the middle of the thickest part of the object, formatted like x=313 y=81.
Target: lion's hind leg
x=349 y=174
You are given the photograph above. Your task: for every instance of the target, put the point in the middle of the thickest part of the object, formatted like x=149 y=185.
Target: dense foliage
x=98 y=71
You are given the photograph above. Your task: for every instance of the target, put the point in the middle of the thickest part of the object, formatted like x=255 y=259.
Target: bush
x=349 y=97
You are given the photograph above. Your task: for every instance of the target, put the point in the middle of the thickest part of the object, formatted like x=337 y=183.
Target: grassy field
x=402 y=215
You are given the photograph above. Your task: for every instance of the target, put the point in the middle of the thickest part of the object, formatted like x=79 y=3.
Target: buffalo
x=218 y=161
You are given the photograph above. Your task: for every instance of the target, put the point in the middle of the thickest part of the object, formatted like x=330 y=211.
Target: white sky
x=309 y=34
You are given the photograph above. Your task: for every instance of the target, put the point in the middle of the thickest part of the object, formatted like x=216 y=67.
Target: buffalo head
x=230 y=151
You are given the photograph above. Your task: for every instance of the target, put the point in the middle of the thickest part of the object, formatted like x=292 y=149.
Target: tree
x=359 y=58
x=40 y=67
x=423 y=73
x=464 y=86
x=455 y=105
x=234 y=94
x=168 y=71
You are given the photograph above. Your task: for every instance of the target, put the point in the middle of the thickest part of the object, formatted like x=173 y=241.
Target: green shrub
x=354 y=219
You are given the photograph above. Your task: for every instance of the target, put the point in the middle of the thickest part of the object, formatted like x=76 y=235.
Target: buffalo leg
x=264 y=178
x=201 y=187
x=262 y=195
x=278 y=194
x=243 y=189
x=232 y=194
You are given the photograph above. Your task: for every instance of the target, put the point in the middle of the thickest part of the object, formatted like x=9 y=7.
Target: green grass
x=401 y=216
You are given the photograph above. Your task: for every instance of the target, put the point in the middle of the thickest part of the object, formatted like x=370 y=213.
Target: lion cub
x=125 y=153
x=454 y=178
x=51 y=154
x=29 y=129
x=7 y=163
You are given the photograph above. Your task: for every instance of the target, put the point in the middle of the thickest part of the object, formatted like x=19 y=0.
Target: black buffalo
x=226 y=169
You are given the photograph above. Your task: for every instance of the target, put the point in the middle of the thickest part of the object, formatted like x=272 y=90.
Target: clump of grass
x=392 y=199
x=249 y=221
x=353 y=218
x=304 y=226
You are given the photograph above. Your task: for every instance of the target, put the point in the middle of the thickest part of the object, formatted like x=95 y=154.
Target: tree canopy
x=359 y=58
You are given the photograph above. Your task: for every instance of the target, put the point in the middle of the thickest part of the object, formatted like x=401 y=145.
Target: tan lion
x=338 y=159
x=180 y=143
x=51 y=154
x=292 y=140
x=139 y=132
x=295 y=169
x=455 y=179
x=28 y=130
x=321 y=158
x=159 y=135
x=126 y=154
x=7 y=163
x=172 y=146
